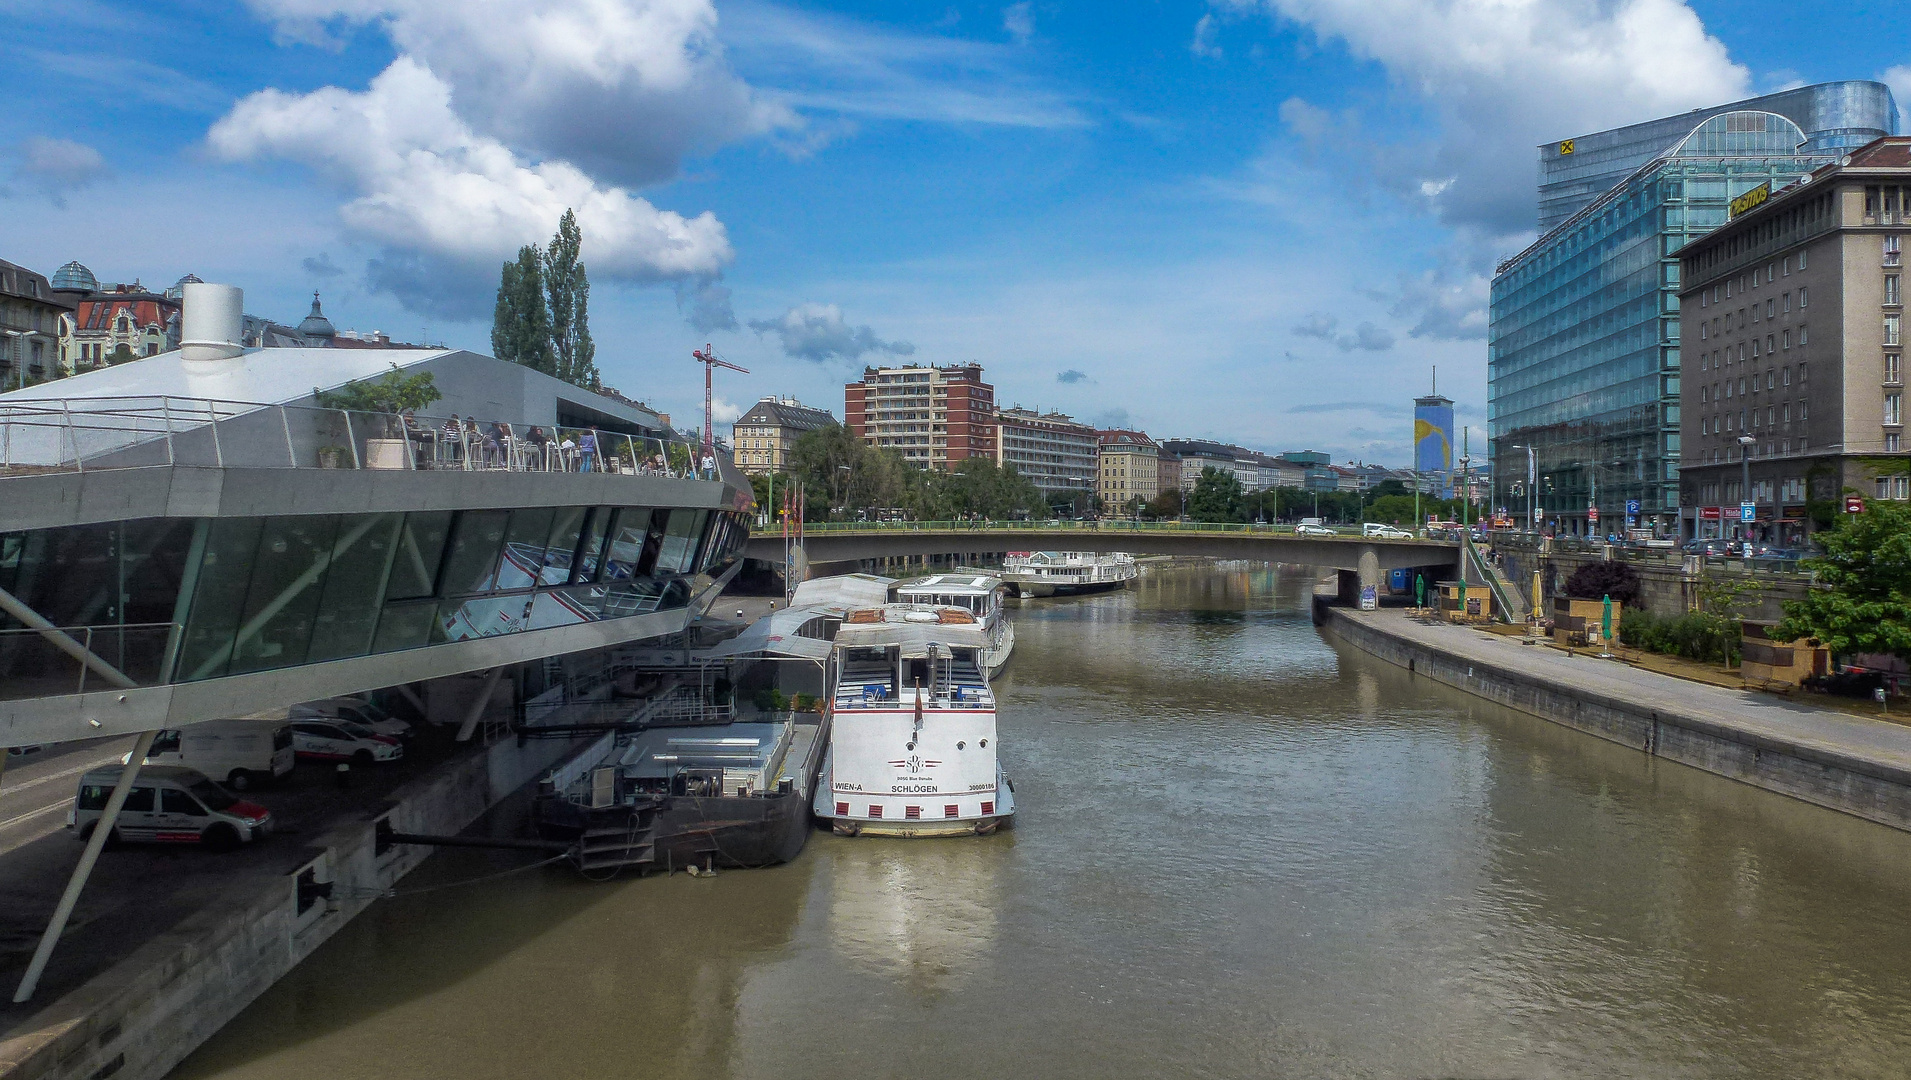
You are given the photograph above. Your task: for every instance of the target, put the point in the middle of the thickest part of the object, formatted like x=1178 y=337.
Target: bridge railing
x=1104 y=525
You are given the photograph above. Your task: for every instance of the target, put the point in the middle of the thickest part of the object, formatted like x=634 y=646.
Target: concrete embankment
x=1848 y=763
x=143 y=1015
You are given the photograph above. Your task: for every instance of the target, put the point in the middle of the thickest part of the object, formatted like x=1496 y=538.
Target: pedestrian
x=709 y=466
x=586 y=449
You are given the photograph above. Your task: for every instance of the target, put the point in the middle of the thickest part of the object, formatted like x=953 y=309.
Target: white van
x=169 y=804
x=242 y=752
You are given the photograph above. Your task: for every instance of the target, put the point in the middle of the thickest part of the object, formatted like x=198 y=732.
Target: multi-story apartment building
x=1197 y=454
x=762 y=437
x=1052 y=449
x=30 y=316
x=1792 y=323
x=1129 y=469
x=1583 y=346
x=932 y=416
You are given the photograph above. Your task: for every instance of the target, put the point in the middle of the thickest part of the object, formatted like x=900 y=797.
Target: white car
x=1314 y=530
x=355 y=711
x=328 y=739
x=1385 y=532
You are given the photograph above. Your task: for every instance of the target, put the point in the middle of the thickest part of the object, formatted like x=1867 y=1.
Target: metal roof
x=913 y=639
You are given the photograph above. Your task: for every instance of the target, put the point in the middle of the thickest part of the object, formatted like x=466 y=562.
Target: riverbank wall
x=1848 y=781
x=142 y=1016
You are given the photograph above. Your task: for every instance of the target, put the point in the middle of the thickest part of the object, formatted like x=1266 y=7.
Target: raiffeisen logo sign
x=1752 y=199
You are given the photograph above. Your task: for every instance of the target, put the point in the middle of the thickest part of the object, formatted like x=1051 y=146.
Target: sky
x=1262 y=221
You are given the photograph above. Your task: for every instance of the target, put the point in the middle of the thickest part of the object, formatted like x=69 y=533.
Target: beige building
x=1129 y=469
x=1792 y=322
x=762 y=437
x=30 y=320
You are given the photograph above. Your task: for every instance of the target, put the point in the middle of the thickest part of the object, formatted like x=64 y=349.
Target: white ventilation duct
x=210 y=322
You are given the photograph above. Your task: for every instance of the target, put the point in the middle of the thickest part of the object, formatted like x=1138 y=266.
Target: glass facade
x=180 y=600
x=1583 y=347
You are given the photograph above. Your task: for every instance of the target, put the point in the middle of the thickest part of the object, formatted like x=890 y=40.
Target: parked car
x=168 y=804
x=244 y=752
x=357 y=711
x=1304 y=529
x=331 y=739
x=1378 y=531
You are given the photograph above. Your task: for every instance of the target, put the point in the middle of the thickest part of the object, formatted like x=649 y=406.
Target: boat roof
x=913 y=638
x=952 y=584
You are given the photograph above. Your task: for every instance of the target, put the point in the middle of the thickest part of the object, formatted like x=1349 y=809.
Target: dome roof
x=75 y=276
x=178 y=291
x=316 y=325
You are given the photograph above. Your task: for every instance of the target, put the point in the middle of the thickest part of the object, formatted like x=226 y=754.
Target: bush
x=1709 y=639
x=770 y=699
x=1595 y=581
x=805 y=703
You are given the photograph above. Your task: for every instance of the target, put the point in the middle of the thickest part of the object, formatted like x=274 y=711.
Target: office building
x=1583 y=345
x=1317 y=469
x=1128 y=470
x=1053 y=450
x=1433 y=442
x=932 y=416
x=762 y=437
x=1791 y=318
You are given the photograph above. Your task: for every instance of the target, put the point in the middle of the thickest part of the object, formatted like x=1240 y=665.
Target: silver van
x=169 y=804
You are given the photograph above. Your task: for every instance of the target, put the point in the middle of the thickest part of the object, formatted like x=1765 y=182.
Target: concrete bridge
x=1360 y=559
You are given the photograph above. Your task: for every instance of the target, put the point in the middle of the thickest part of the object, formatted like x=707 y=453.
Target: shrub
x=805 y=703
x=1641 y=629
x=770 y=699
x=1598 y=580
x=1700 y=636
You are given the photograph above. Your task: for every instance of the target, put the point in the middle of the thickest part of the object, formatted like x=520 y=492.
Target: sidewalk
x=1815 y=733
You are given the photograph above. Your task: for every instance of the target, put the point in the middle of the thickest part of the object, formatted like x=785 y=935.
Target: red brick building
x=932 y=416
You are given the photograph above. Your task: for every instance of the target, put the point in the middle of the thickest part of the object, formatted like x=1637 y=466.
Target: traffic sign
x=1854 y=504
x=1632 y=506
x=1747 y=511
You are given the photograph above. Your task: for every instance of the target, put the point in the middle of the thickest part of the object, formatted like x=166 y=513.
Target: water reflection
x=921 y=913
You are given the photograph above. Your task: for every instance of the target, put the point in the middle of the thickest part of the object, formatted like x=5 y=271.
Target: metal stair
x=1507 y=601
x=617 y=846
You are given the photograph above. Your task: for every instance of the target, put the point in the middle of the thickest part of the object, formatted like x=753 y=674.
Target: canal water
x=1243 y=850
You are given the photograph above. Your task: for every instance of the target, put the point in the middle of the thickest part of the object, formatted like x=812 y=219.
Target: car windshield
x=211 y=794
x=356 y=729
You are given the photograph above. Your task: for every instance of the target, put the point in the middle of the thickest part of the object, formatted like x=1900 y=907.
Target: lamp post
x=1532 y=484
x=1745 y=444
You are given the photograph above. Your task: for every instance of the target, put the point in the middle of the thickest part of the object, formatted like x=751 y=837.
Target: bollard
x=344 y=774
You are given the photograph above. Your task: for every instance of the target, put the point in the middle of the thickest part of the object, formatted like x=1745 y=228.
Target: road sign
x=1592 y=513
x=1632 y=506
x=1748 y=511
x=1854 y=504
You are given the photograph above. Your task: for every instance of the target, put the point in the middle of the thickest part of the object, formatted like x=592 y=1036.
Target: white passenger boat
x=1059 y=573
x=912 y=743
x=979 y=594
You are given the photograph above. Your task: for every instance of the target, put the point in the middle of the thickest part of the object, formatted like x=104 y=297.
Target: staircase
x=1507 y=598
x=616 y=845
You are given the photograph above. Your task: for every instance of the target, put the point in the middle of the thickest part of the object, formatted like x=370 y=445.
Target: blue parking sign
x=1747 y=512
x=1632 y=506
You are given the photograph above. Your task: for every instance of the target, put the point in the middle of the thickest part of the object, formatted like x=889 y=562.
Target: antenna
x=707 y=356
x=1436 y=379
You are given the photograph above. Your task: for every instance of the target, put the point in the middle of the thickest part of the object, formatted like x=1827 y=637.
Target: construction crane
x=707 y=356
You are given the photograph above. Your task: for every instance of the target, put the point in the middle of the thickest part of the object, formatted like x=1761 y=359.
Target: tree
x=1861 y=602
x=122 y=353
x=1167 y=505
x=394 y=393
x=1598 y=580
x=521 y=324
x=569 y=290
x=1216 y=495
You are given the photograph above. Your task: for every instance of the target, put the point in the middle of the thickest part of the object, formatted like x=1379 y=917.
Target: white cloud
x=1899 y=80
x=623 y=88
x=722 y=412
x=424 y=182
x=1203 y=44
x=1504 y=76
x=1018 y=23
x=56 y=167
x=818 y=332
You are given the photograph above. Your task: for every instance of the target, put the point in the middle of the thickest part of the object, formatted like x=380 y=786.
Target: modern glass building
x=1583 y=345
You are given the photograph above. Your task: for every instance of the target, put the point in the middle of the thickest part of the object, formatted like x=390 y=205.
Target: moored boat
x=912 y=739
x=1061 y=573
x=980 y=595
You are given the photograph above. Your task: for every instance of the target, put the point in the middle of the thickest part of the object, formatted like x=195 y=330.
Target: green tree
x=1166 y=506
x=394 y=393
x=521 y=323
x=569 y=290
x=1216 y=495
x=1861 y=601
x=122 y=353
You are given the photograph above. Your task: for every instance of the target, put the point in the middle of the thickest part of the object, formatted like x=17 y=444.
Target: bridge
x=1360 y=558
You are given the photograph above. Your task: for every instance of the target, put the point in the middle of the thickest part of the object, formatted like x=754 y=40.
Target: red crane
x=707 y=356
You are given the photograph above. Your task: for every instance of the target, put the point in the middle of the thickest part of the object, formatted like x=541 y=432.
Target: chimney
x=210 y=321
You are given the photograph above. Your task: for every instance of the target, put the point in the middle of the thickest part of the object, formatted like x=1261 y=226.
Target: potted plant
x=389 y=397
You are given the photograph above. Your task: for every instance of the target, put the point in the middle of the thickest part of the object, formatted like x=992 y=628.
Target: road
x=37 y=787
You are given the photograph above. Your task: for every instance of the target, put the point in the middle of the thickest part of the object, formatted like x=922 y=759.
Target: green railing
x=1105 y=525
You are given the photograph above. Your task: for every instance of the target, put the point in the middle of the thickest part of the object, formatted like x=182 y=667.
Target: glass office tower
x=1583 y=347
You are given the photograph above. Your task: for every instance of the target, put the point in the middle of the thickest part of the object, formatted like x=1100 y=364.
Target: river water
x=1243 y=850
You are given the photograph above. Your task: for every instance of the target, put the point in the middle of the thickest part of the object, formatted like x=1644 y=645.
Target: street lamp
x=1532 y=485
x=1745 y=444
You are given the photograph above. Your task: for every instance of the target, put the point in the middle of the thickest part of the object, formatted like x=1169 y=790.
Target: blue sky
x=1264 y=221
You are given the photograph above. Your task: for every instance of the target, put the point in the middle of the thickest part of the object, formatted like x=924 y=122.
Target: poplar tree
x=569 y=289
x=521 y=324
